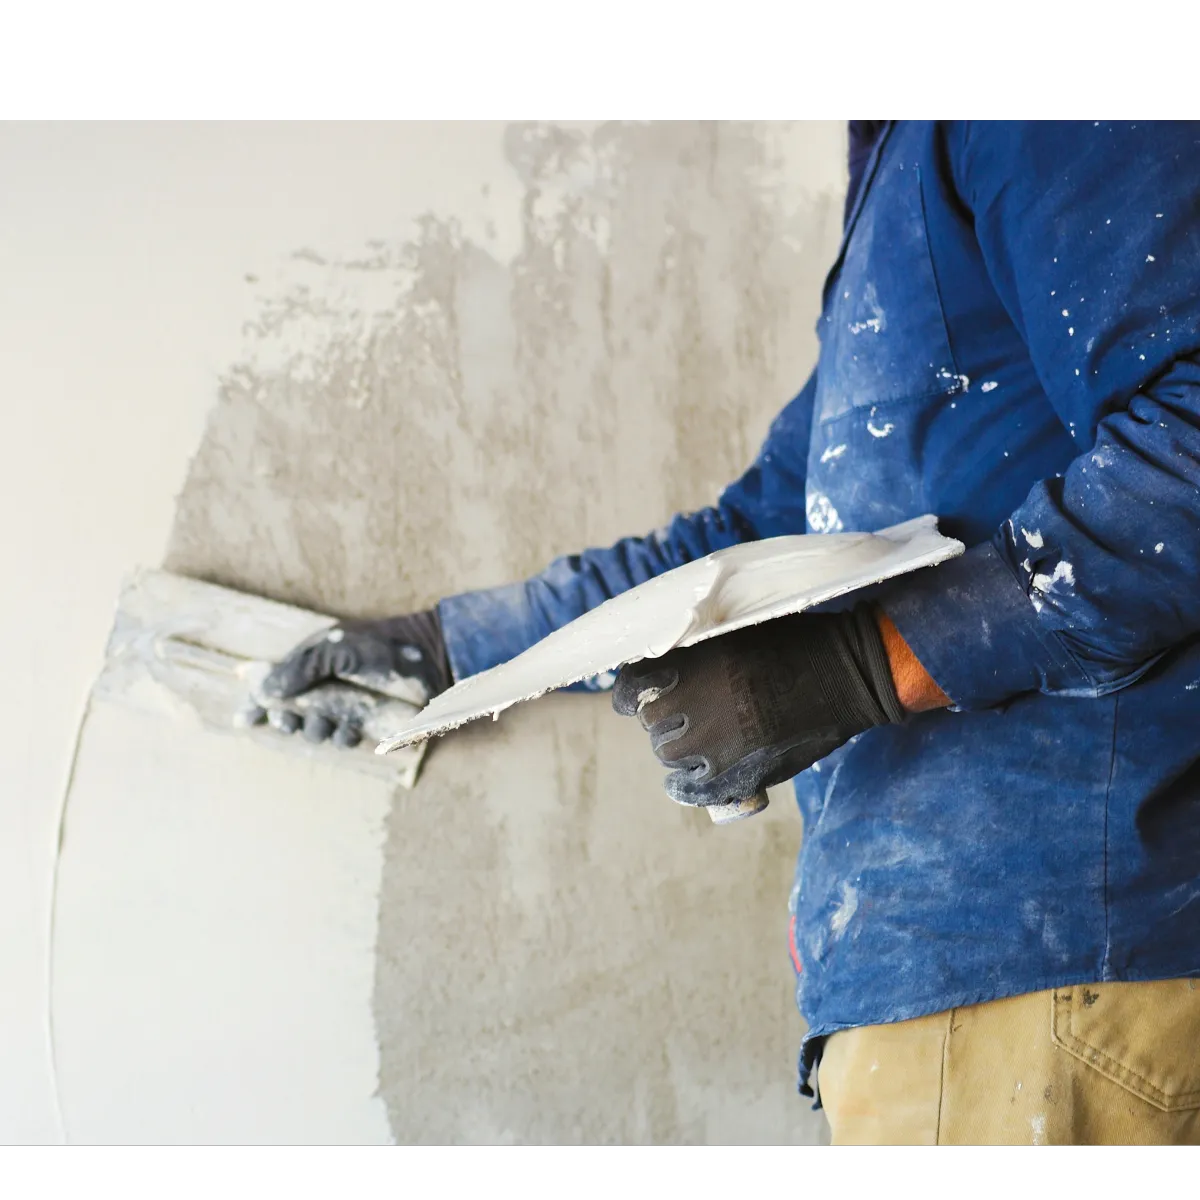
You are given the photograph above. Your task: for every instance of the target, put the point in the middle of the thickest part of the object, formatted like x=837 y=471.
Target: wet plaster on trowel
x=725 y=591
x=562 y=954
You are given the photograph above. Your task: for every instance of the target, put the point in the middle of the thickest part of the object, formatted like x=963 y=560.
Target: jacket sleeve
x=488 y=627
x=1091 y=235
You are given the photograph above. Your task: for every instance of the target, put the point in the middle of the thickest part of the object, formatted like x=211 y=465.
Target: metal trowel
x=202 y=651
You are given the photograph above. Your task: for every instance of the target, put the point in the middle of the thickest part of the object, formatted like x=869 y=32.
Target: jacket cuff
x=973 y=628
x=482 y=629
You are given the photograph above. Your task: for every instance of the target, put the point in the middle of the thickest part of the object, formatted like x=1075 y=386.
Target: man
x=996 y=917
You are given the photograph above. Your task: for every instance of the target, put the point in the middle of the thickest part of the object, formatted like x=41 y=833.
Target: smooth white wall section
x=214 y=987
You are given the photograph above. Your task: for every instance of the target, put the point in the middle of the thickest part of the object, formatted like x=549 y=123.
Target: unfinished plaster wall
x=124 y=256
x=595 y=336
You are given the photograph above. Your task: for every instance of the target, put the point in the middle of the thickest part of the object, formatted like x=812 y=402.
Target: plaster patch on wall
x=556 y=942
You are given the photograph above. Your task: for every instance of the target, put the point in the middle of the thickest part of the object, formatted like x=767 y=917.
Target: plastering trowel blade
x=182 y=646
x=727 y=590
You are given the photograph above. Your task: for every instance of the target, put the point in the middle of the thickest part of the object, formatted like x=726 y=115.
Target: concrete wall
x=435 y=358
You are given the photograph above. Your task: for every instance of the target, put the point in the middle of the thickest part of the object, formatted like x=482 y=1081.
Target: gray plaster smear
x=563 y=955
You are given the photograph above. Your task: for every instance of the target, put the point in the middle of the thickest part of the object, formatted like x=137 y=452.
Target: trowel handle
x=737 y=810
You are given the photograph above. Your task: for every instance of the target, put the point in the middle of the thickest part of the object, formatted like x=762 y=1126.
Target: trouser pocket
x=1143 y=1036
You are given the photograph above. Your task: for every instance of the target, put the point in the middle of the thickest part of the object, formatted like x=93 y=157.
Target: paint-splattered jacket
x=1010 y=339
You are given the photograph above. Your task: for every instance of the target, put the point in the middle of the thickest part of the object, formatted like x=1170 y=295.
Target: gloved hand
x=753 y=708
x=379 y=655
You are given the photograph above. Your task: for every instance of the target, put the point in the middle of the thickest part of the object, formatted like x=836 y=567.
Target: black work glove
x=387 y=656
x=752 y=708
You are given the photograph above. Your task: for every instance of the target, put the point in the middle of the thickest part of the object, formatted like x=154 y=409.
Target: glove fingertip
x=693 y=784
x=253 y=714
x=624 y=694
x=317 y=727
x=285 y=680
x=347 y=735
x=676 y=786
x=283 y=720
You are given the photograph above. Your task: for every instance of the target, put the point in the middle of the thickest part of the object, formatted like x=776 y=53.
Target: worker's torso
x=966 y=856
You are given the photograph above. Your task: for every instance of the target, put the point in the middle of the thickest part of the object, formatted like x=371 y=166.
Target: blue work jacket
x=1010 y=338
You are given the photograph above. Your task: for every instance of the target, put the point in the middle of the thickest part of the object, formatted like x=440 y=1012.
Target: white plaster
x=214 y=940
x=821 y=515
x=1063 y=573
x=724 y=591
x=844 y=913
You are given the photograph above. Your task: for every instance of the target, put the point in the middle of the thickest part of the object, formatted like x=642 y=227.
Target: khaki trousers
x=1102 y=1064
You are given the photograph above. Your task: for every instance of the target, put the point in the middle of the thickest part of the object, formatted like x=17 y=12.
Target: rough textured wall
x=562 y=954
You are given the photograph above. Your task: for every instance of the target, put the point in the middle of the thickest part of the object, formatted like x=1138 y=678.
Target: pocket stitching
x=1109 y=1067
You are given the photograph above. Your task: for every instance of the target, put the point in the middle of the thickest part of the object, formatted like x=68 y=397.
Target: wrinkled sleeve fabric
x=1091 y=235
x=485 y=628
